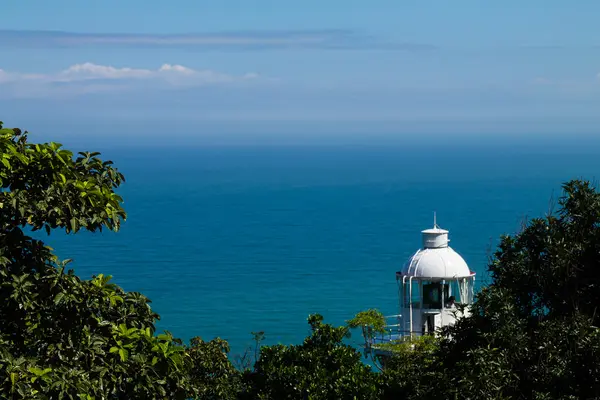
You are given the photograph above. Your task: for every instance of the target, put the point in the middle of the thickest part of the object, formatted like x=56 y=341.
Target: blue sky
x=281 y=66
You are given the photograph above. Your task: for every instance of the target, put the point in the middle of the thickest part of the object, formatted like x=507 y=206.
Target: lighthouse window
x=416 y=295
x=457 y=290
x=432 y=294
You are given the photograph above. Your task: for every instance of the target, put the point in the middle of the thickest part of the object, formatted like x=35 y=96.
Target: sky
x=218 y=68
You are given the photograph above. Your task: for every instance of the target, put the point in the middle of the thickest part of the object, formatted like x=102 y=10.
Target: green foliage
x=212 y=375
x=370 y=321
x=45 y=188
x=63 y=337
x=407 y=366
x=322 y=367
x=246 y=360
x=532 y=333
x=408 y=346
x=89 y=336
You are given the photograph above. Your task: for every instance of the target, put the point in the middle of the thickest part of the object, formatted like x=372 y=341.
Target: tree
x=322 y=367
x=407 y=368
x=63 y=337
x=533 y=331
x=212 y=374
x=371 y=322
x=404 y=363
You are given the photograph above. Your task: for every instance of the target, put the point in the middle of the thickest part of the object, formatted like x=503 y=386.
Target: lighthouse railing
x=393 y=331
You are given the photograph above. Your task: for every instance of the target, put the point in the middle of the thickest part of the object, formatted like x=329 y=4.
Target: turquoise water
x=227 y=240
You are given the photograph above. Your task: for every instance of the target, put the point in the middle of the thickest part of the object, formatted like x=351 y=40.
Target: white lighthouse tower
x=431 y=283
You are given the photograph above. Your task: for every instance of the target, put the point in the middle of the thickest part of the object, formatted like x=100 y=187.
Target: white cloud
x=176 y=68
x=93 y=71
x=89 y=77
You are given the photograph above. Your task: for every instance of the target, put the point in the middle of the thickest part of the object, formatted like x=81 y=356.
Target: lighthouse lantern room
x=431 y=284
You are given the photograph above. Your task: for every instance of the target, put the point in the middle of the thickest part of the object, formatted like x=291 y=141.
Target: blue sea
x=227 y=240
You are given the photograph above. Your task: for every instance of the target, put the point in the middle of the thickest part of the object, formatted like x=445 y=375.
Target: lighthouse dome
x=436 y=260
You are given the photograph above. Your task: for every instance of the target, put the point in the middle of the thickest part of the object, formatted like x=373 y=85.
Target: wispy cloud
x=89 y=77
x=315 y=39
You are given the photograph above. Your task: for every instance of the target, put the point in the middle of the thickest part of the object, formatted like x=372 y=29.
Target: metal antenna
x=434 y=220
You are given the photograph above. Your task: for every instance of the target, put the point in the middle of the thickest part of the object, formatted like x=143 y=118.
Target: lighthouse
x=431 y=284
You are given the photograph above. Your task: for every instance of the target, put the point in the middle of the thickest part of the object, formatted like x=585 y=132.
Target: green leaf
x=74 y=224
x=58 y=298
x=36 y=371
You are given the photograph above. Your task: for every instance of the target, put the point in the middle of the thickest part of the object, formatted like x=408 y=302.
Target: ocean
x=227 y=240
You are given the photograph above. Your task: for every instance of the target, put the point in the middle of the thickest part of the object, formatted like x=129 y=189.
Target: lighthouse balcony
x=428 y=321
x=394 y=330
